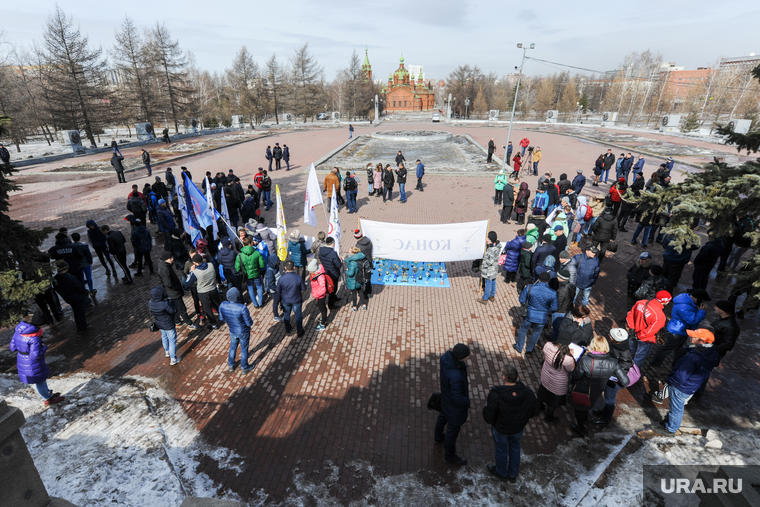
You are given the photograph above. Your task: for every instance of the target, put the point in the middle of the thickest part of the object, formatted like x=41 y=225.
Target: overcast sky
x=436 y=34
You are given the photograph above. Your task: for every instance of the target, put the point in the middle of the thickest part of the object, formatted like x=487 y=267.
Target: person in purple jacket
x=30 y=360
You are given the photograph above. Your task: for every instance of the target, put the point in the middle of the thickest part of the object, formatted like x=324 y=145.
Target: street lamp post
x=514 y=103
x=466 y=106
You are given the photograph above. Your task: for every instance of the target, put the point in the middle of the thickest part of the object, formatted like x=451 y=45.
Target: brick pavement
x=357 y=391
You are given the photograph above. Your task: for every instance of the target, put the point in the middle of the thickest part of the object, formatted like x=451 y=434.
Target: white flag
x=282 y=228
x=334 y=229
x=210 y=209
x=313 y=197
x=224 y=211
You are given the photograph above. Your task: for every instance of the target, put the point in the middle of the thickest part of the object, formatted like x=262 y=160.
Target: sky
x=439 y=35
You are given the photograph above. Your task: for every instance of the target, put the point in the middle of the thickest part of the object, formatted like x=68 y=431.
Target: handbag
x=153 y=327
x=583 y=399
x=502 y=259
x=434 y=403
x=612 y=247
x=634 y=374
x=576 y=227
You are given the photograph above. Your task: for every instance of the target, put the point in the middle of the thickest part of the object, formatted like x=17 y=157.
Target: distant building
x=404 y=93
x=366 y=67
x=740 y=62
x=678 y=83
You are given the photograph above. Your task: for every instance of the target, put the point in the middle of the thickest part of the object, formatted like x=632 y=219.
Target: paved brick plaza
x=357 y=391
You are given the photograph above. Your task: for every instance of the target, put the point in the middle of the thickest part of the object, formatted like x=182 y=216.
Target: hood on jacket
x=233 y=296
x=92 y=222
x=561 y=216
x=512 y=395
x=582 y=201
x=549 y=261
x=449 y=362
x=524 y=186
x=25 y=328
x=157 y=294
x=356 y=257
x=248 y=250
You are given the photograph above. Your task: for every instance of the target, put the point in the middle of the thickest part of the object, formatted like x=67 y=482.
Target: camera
x=530 y=149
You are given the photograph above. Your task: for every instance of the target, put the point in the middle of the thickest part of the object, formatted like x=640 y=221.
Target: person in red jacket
x=616 y=194
x=524 y=145
x=516 y=162
x=645 y=319
x=317 y=276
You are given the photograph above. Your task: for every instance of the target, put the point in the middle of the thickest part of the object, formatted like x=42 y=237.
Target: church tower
x=366 y=67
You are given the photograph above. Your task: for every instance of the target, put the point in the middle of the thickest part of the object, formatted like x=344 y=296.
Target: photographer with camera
x=689 y=310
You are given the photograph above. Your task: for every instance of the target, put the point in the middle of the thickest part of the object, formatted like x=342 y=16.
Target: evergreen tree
x=691 y=123
x=480 y=106
x=24 y=270
x=306 y=83
x=274 y=76
x=749 y=141
x=243 y=78
x=171 y=68
x=137 y=74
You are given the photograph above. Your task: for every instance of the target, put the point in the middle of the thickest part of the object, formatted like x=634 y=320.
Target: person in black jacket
x=565 y=296
x=455 y=401
x=590 y=377
x=507 y=203
x=164 y=312
x=64 y=250
x=72 y=291
x=726 y=331
x=145 y=160
x=136 y=205
x=173 y=288
x=277 y=155
x=706 y=259
x=117 y=246
x=401 y=180
x=576 y=327
x=388 y=181
x=620 y=350
x=604 y=230
x=330 y=259
x=637 y=275
x=142 y=244
x=508 y=409
x=226 y=257
x=399 y=158
x=99 y=243
x=118 y=167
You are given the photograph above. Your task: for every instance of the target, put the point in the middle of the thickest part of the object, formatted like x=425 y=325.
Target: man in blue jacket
x=238 y=319
x=638 y=167
x=579 y=182
x=289 y=292
x=689 y=310
x=455 y=401
x=420 y=174
x=688 y=374
x=541 y=301
x=587 y=265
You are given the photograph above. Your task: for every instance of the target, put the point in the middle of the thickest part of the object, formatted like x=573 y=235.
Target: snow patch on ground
x=123 y=442
x=185 y=147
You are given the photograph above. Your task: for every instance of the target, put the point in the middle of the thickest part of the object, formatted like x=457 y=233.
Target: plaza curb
x=332 y=153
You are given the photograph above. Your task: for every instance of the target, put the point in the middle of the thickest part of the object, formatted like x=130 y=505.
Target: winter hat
x=258 y=238
x=63 y=265
x=579 y=171
x=656 y=270
x=564 y=255
x=558 y=227
x=547 y=237
x=645 y=255
x=197 y=259
x=700 y=294
x=545 y=276
x=527 y=245
x=161 y=201
x=501 y=172
x=247 y=196
x=618 y=334
x=358 y=234
x=563 y=273
x=663 y=297
x=313 y=266
x=703 y=334
x=460 y=351
x=492 y=236
x=165 y=256
x=226 y=242
x=621 y=179
x=295 y=234
x=725 y=306
x=530 y=227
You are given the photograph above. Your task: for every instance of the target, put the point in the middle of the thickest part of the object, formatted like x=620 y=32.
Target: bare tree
x=275 y=85
x=243 y=78
x=74 y=76
x=306 y=83
x=568 y=102
x=172 y=72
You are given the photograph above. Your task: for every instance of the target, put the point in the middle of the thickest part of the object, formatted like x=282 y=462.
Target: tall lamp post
x=514 y=103
x=466 y=106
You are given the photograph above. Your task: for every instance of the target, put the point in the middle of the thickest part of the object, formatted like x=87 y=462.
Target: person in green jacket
x=560 y=219
x=499 y=182
x=532 y=234
x=524 y=275
x=353 y=265
x=252 y=262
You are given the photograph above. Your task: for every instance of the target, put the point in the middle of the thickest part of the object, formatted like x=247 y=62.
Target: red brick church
x=402 y=93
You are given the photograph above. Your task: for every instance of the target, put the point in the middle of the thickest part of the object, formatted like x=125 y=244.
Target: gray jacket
x=206 y=279
x=490 y=267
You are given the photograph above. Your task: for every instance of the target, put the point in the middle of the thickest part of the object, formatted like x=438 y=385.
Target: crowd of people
x=580 y=367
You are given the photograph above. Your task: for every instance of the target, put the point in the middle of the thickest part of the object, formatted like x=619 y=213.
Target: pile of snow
x=185 y=147
x=119 y=442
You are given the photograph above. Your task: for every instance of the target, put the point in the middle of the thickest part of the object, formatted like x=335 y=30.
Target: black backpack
x=364 y=271
x=349 y=185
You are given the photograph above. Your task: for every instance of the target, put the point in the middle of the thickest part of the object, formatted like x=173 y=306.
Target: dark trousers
x=498 y=197
x=615 y=207
x=79 y=315
x=181 y=314
x=389 y=192
x=510 y=276
x=49 y=306
x=358 y=294
x=672 y=343
x=333 y=298
x=700 y=277
x=120 y=175
x=209 y=301
x=581 y=416
x=104 y=255
x=277 y=162
x=506 y=214
x=672 y=271
x=368 y=289
x=419 y=185
x=322 y=305
x=449 y=438
x=139 y=256
x=602 y=245
x=196 y=301
x=522 y=282
x=233 y=279
x=490 y=156
x=520 y=218
x=270 y=164
x=509 y=156
x=121 y=260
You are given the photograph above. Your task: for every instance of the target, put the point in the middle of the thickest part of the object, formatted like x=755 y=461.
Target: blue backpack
x=542 y=201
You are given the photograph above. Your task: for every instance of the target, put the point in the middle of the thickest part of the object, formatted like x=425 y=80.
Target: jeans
x=296 y=309
x=507 y=453
x=672 y=343
x=450 y=437
x=42 y=388
x=388 y=192
x=556 y=322
x=150 y=171
x=287 y=163
x=258 y=297
x=610 y=393
x=370 y=188
x=103 y=255
x=351 y=198
x=265 y=195
x=401 y=191
x=640 y=351
x=523 y=332
x=586 y=295
x=490 y=290
x=589 y=225
x=645 y=238
x=606 y=174
x=87 y=275
x=535 y=168
x=169 y=341
x=523 y=152
x=271 y=272
x=578 y=236
x=242 y=340
x=678 y=401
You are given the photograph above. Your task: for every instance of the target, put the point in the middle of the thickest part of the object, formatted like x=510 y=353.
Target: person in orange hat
x=687 y=376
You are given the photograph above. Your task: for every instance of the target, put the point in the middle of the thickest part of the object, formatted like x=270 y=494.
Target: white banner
x=427 y=243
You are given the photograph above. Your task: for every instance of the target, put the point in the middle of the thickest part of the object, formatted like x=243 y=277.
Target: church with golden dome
x=404 y=93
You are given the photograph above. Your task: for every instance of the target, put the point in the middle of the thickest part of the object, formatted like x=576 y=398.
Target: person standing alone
x=489 y=268
x=455 y=401
x=146 y=161
x=420 y=174
x=491 y=149
x=239 y=322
